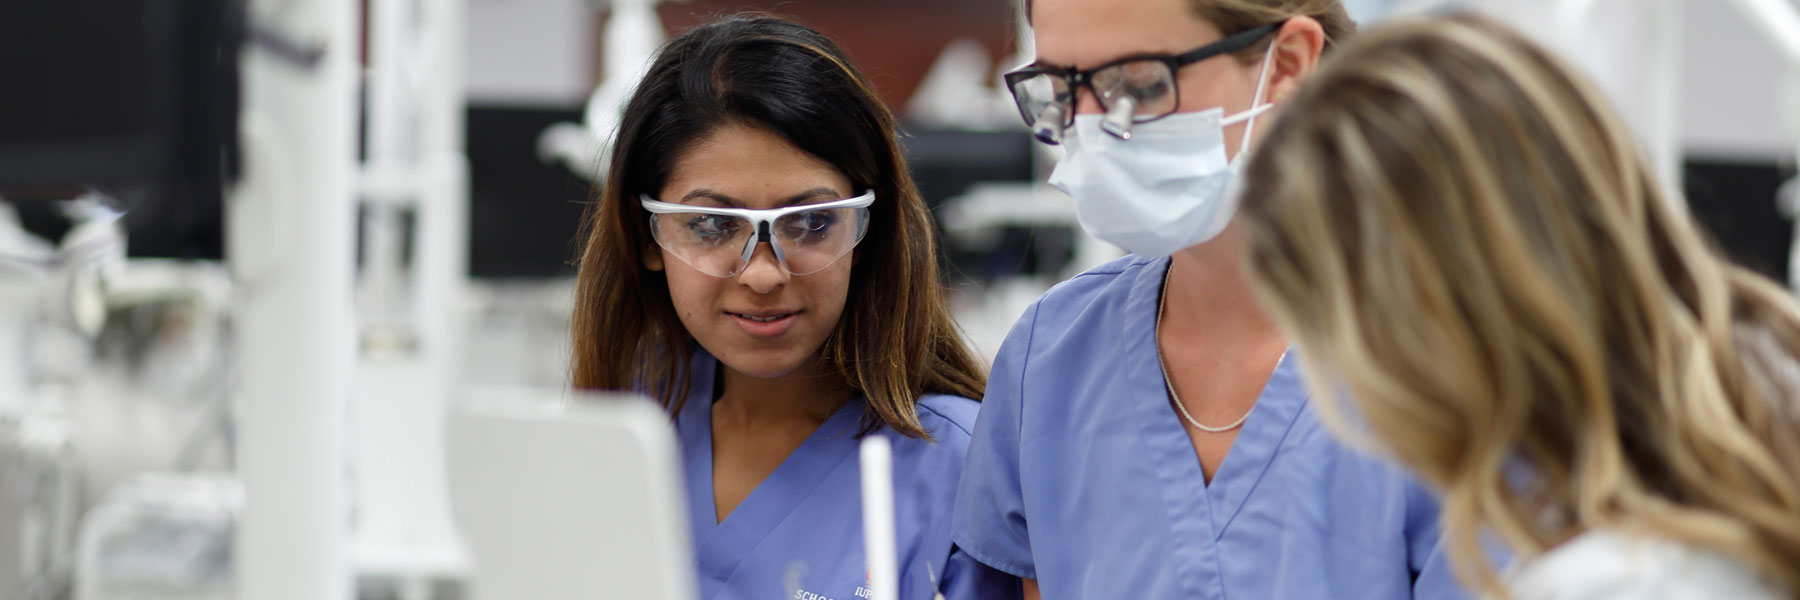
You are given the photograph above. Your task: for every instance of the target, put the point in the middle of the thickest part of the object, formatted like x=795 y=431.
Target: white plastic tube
x=878 y=517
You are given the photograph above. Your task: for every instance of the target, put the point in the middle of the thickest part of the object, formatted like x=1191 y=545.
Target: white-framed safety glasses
x=719 y=241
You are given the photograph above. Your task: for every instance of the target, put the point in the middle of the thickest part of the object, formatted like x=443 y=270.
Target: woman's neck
x=807 y=394
x=1209 y=292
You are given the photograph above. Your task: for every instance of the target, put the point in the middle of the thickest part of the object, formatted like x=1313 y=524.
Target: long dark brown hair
x=895 y=341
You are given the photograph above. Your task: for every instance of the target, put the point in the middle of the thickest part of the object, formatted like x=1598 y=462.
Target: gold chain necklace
x=1169 y=382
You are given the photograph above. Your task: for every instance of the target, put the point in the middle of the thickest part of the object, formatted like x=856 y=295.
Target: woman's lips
x=764 y=324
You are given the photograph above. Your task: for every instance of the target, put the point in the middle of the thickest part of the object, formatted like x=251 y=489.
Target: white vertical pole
x=1663 y=131
x=443 y=242
x=289 y=241
x=416 y=157
x=877 y=461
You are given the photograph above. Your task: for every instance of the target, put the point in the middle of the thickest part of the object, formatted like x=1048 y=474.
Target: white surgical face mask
x=1169 y=187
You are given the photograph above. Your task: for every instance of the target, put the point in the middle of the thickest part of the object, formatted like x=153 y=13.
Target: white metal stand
x=413 y=313
x=289 y=242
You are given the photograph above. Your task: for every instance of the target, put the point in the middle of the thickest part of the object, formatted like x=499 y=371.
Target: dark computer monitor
x=134 y=97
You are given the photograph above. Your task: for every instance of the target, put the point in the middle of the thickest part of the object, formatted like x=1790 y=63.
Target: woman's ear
x=653 y=258
x=1298 y=46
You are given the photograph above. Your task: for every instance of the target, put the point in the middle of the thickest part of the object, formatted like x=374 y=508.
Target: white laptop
x=565 y=496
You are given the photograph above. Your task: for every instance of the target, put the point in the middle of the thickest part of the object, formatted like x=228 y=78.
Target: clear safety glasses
x=720 y=241
x=1131 y=90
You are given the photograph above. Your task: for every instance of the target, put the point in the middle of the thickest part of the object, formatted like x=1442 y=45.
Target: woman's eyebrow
x=824 y=193
x=703 y=193
x=726 y=201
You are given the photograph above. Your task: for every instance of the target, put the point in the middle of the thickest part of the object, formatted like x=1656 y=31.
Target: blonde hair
x=1232 y=16
x=1460 y=234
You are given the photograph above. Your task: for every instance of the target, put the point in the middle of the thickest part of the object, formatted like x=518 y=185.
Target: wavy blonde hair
x=1233 y=16
x=1460 y=234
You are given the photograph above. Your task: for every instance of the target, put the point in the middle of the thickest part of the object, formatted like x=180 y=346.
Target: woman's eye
x=711 y=227
x=819 y=221
x=811 y=226
x=1150 y=90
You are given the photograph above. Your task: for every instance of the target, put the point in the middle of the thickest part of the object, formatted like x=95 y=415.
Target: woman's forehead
x=751 y=168
x=1087 y=33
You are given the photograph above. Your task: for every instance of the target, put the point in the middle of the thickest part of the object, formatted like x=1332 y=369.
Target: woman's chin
x=764 y=365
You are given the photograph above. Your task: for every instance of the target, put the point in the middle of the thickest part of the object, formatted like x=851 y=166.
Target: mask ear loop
x=1257 y=105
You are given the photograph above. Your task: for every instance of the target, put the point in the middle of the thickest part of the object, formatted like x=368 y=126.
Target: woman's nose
x=1086 y=103
x=764 y=274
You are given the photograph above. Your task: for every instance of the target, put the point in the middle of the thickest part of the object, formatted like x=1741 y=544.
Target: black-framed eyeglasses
x=1134 y=89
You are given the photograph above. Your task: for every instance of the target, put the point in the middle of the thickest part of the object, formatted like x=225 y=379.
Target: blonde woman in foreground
x=1464 y=241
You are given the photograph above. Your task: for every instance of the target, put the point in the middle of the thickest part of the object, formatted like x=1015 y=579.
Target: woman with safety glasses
x=1145 y=432
x=760 y=262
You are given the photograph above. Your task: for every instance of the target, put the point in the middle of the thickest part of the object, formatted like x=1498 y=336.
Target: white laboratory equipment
x=57 y=299
x=633 y=34
x=959 y=92
x=149 y=392
x=39 y=505
x=161 y=536
x=545 y=520
x=413 y=187
x=289 y=232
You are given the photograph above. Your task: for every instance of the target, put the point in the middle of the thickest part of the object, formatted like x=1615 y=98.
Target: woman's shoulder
x=948 y=418
x=1607 y=565
x=1094 y=300
x=1112 y=278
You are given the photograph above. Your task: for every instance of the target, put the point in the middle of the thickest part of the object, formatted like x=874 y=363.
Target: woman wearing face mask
x=761 y=263
x=1463 y=236
x=1145 y=433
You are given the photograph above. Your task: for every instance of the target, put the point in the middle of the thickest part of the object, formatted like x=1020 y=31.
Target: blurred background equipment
x=250 y=250
x=38 y=505
x=1711 y=88
x=161 y=537
x=111 y=364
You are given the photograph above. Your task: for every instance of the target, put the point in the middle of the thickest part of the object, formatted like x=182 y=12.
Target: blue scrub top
x=1081 y=476
x=798 y=535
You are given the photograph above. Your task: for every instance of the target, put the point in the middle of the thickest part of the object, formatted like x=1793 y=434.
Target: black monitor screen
x=135 y=97
x=91 y=90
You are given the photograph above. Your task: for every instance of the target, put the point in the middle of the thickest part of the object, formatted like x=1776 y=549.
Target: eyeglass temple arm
x=1231 y=43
